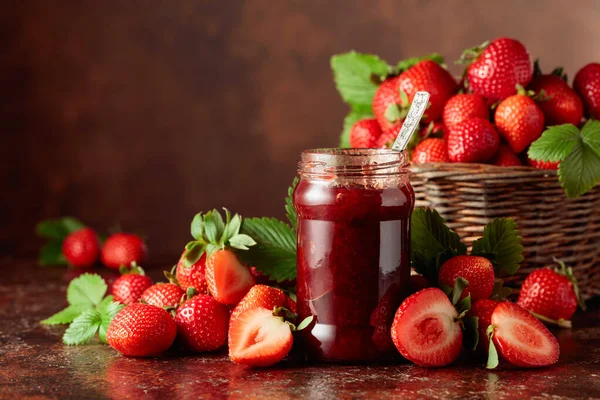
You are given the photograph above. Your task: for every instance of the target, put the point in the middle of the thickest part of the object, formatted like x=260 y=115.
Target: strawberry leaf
x=51 y=254
x=289 y=204
x=107 y=313
x=197 y=227
x=83 y=328
x=193 y=253
x=241 y=242
x=501 y=244
x=555 y=143
x=305 y=322
x=275 y=251
x=58 y=228
x=500 y=292
x=210 y=228
x=460 y=284
x=232 y=227
x=357 y=75
x=357 y=113
x=433 y=242
x=86 y=290
x=66 y=316
x=580 y=171
x=410 y=62
x=493 y=360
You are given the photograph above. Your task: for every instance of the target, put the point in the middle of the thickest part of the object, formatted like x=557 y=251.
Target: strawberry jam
x=354 y=208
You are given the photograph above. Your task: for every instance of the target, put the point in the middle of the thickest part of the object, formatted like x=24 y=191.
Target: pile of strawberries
x=501 y=105
x=429 y=326
x=208 y=303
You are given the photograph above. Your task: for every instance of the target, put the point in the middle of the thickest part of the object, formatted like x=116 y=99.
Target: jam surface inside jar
x=353 y=251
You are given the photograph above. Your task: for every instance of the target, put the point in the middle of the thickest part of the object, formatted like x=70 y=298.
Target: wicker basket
x=468 y=196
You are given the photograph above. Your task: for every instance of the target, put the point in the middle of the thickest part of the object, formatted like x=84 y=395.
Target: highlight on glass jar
x=353 y=258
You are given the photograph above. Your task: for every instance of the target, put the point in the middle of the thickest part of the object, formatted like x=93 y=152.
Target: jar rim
x=353 y=162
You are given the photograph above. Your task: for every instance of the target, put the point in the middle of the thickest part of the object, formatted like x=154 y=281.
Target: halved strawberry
x=260 y=296
x=258 y=338
x=425 y=329
x=521 y=338
x=228 y=280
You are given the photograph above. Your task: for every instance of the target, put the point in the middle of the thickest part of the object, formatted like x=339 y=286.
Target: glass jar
x=354 y=208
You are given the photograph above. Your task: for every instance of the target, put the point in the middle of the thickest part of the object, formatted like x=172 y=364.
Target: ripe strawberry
x=474 y=140
x=141 y=330
x=386 y=95
x=483 y=309
x=520 y=121
x=478 y=271
x=543 y=164
x=505 y=157
x=587 y=84
x=498 y=68
x=462 y=107
x=163 y=295
x=192 y=276
x=430 y=150
x=260 y=296
x=521 y=339
x=551 y=293
x=202 y=323
x=388 y=137
x=364 y=133
x=258 y=338
x=425 y=330
x=123 y=249
x=228 y=280
x=81 y=248
x=129 y=287
x=560 y=105
x=429 y=76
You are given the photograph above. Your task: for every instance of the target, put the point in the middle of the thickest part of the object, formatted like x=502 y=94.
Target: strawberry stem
x=563 y=323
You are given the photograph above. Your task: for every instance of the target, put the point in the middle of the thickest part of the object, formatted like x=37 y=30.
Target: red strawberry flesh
x=521 y=338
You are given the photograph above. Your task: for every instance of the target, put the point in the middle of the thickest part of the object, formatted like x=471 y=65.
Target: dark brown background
x=145 y=112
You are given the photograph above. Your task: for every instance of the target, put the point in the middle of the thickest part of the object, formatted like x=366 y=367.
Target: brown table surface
x=35 y=364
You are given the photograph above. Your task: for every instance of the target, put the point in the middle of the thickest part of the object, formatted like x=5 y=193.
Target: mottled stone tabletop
x=35 y=364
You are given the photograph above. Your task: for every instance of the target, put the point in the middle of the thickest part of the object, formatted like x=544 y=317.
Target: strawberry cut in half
x=258 y=338
x=426 y=330
x=228 y=280
x=520 y=338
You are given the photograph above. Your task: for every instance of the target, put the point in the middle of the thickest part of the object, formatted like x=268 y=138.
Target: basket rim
x=476 y=168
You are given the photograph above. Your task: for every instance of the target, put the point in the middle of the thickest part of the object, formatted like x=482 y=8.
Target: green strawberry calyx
x=472 y=54
x=568 y=272
x=211 y=233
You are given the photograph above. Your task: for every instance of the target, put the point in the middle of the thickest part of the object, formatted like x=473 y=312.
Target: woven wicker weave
x=468 y=196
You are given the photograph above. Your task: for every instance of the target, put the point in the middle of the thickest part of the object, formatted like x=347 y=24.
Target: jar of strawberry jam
x=354 y=208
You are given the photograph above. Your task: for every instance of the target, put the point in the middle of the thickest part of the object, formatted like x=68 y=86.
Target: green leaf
x=590 y=134
x=356 y=76
x=354 y=116
x=471 y=334
x=432 y=242
x=555 y=143
x=305 y=322
x=108 y=312
x=67 y=315
x=493 y=360
x=232 y=228
x=58 y=228
x=501 y=238
x=460 y=284
x=275 y=251
x=83 y=328
x=394 y=113
x=210 y=229
x=241 y=242
x=103 y=305
x=289 y=204
x=500 y=292
x=211 y=248
x=51 y=254
x=463 y=306
x=193 y=254
x=197 y=227
x=580 y=171
x=218 y=222
x=86 y=290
